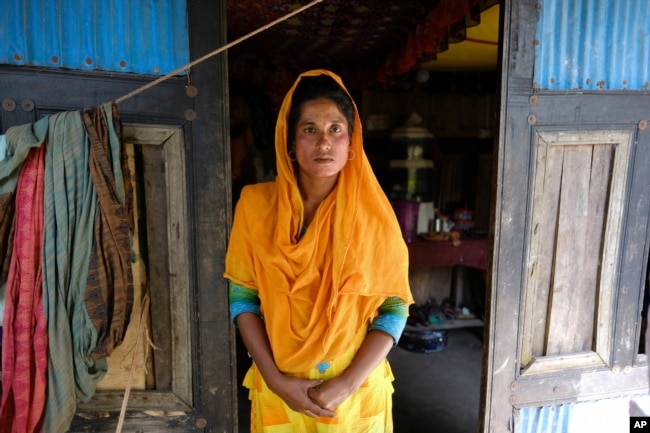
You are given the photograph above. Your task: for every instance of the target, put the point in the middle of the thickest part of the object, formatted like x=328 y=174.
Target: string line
x=213 y=53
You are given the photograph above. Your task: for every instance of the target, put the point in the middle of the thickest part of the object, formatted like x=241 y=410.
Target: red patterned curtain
x=365 y=41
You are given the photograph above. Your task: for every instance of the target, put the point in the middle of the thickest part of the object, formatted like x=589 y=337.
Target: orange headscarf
x=317 y=292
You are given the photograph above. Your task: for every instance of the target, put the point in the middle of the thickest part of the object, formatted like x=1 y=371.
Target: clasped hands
x=313 y=397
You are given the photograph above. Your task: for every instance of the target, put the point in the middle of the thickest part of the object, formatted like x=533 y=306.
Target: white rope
x=139 y=90
x=213 y=53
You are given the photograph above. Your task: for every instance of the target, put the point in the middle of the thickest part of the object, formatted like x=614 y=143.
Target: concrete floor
x=439 y=392
x=434 y=392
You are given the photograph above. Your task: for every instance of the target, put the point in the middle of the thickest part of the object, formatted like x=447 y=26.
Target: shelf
x=411 y=163
x=465 y=133
x=450 y=324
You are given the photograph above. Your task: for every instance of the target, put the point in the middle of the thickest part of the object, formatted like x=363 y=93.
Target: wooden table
x=471 y=252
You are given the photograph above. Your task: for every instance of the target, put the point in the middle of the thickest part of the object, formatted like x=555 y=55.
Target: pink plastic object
x=407 y=216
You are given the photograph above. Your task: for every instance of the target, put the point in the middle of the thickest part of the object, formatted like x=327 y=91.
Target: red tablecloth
x=470 y=252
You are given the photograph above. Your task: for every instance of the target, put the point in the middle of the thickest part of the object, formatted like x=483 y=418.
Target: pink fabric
x=24 y=349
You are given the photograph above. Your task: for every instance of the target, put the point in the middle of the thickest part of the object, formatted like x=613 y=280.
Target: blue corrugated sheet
x=140 y=36
x=593 y=44
x=610 y=415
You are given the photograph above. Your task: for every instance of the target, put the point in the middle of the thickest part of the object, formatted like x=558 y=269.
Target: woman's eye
x=336 y=128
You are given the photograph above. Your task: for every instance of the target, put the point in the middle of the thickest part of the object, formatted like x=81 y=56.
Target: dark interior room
x=429 y=116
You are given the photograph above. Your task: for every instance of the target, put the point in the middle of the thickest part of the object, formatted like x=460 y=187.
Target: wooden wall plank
x=583 y=199
x=153 y=183
x=565 y=334
x=548 y=174
x=600 y=184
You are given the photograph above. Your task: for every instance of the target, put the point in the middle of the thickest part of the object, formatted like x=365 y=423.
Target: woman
x=318 y=273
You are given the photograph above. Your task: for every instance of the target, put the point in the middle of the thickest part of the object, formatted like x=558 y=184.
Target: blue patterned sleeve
x=392 y=317
x=242 y=300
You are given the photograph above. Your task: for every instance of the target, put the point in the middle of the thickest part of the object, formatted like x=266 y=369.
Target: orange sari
x=318 y=292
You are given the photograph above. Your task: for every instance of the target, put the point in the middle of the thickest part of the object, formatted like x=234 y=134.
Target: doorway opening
x=459 y=106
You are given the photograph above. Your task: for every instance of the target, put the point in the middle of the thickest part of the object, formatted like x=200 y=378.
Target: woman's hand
x=296 y=394
x=292 y=390
x=330 y=394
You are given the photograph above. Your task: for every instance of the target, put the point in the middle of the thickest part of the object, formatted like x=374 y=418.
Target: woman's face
x=322 y=141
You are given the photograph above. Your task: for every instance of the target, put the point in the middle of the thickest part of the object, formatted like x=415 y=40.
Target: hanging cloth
x=24 y=358
x=6 y=237
x=71 y=209
x=14 y=148
x=109 y=290
x=85 y=249
x=6 y=229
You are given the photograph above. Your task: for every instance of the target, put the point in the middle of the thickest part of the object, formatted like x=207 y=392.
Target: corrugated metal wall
x=593 y=44
x=589 y=45
x=599 y=416
x=141 y=36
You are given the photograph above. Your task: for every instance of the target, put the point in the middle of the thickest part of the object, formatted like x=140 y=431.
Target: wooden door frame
x=203 y=120
x=524 y=111
x=210 y=211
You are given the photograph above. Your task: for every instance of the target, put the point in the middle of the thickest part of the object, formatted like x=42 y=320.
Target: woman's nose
x=323 y=142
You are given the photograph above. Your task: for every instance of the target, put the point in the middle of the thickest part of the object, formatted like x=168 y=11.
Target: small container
x=424 y=341
x=463 y=215
x=425 y=214
x=437 y=225
x=407 y=216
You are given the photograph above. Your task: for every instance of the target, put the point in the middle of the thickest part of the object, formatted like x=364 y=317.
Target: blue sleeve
x=392 y=317
x=242 y=300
